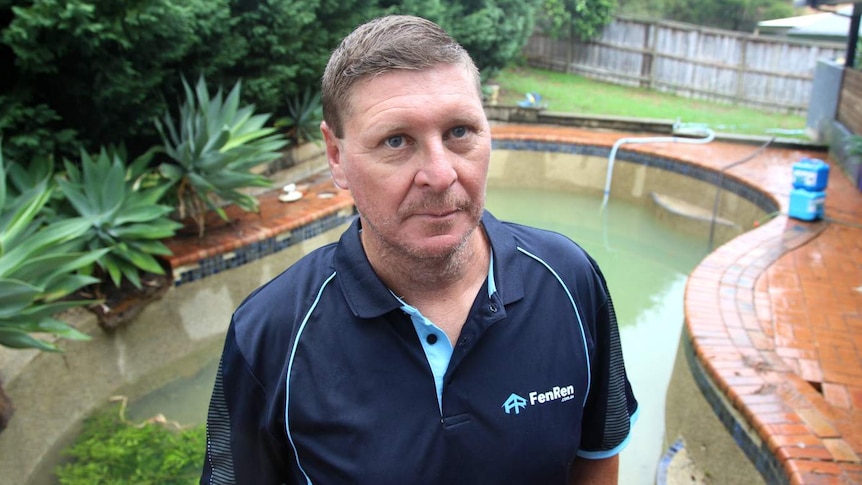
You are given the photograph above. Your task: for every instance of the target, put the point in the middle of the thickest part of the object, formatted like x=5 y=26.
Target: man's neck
x=442 y=290
x=435 y=279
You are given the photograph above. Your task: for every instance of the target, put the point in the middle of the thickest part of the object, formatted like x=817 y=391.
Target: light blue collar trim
x=492 y=286
x=598 y=455
x=438 y=353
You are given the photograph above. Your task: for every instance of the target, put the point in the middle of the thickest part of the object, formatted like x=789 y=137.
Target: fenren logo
x=558 y=393
x=514 y=403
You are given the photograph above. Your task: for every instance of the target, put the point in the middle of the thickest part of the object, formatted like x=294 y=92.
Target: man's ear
x=333 y=156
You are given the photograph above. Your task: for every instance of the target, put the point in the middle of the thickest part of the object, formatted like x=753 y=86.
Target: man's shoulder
x=278 y=304
x=304 y=276
x=545 y=242
x=266 y=322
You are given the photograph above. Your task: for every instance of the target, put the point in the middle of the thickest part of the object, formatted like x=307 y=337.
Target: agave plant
x=124 y=215
x=39 y=267
x=304 y=114
x=213 y=146
x=854 y=145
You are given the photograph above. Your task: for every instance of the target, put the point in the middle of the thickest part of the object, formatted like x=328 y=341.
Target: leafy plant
x=104 y=68
x=854 y=145
x=304 y=114
x=124 y=215
x=739 y=15
x=213 y=146
x=581 y=19
x=494 y=32
x=39 y=267
x=31 y=130
x=858 y=63
x=113 y=450
x=20 y=179
x=287 y=44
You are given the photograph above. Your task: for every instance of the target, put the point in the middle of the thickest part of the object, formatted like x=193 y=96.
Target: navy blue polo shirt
x=328 y=377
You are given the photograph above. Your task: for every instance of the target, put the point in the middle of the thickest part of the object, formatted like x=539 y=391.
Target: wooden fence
x=850 y=101
x=693 y=61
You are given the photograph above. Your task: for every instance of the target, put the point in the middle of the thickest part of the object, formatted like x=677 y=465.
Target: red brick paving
x=273 y=218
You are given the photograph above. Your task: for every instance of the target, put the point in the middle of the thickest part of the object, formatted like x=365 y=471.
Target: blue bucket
x=806 y=204
x=810 y=174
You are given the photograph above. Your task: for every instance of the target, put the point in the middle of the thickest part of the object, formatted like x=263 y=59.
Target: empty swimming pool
x=539 y=183
x=645 y=263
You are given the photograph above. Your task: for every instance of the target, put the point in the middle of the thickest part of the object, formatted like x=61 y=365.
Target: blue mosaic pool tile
x=256 y=250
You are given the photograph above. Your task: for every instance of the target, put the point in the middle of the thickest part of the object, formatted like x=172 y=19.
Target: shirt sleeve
x=611 y=408
x=243 y=442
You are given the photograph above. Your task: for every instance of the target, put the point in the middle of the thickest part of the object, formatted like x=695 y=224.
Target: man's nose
x=437 y=167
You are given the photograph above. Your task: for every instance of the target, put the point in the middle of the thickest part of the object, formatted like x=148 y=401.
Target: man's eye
x=459 y=131
x=394 y=141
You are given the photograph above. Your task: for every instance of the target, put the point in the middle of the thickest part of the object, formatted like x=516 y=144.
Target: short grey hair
x=381 y=45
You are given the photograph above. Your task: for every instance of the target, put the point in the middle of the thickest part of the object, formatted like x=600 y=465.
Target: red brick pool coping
x=773 y=318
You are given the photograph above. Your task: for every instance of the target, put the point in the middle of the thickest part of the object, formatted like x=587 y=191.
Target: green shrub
x=40 y=260
x=112 y=450
x=854 y=145
x=212 y=147
x=105 y=68
x=493 y=31
x=124 y=214
x=304 y=114
x=580 y=19
x=33 y=130
x=739 y=15
x=287 y=44
x=94 y=73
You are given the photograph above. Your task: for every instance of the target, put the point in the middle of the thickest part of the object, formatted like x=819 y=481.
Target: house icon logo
x=514 y=403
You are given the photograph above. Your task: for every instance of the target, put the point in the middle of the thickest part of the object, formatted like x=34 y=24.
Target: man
x=433 y=344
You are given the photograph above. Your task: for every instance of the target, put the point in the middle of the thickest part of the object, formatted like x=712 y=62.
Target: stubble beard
x=417 y=262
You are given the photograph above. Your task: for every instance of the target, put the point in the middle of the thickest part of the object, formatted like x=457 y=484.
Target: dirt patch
x=681 y=470
x=6 y=408
x=120 y=305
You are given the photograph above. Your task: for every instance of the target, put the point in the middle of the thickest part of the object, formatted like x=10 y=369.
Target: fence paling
x=850 y=106
x=707 y=63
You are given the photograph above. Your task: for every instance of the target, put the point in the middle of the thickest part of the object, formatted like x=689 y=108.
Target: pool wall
x=684 y=195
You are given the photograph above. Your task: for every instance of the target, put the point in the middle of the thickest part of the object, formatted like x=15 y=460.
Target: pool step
x=692 y=219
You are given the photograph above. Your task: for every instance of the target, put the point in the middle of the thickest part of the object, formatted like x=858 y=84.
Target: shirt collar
x=368 y=297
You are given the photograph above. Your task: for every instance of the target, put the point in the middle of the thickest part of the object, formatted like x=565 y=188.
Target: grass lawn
x=575 y=94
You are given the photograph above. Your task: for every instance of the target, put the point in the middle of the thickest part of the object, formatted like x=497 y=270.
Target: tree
x=492 y=31
x=82 y=74
x=644 y=8
x=105 y=68
x=739 y=15
x=581 y=19
x=287 y=45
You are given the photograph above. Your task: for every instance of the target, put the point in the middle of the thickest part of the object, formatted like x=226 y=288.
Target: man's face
x=415 y=157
